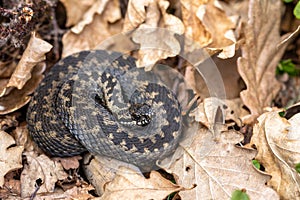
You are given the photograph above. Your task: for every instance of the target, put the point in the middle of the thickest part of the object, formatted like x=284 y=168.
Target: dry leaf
x=75 y=193
x=99 y=22
x=16 y=98
x=10 y=157
x=25 y=78
x=207 y=112
x=8 y=121
x=278 y=143
x=69 y=162
x=33 y=54
x=260 y=54
x=100 y=170
x=207 y=25
x=217 y=167
x=40 y=168
x=128 y=184
x=154 y=30
x=75 y=10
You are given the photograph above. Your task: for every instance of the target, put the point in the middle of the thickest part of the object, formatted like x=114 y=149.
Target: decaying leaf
x=260 y=54
x=75 y=10
x=40 y=169
x=209 y=111
x=10 y=157
x=213 y=110
x=207 y=25
x=278 y=142
x=34 y=53
x=217 y=167
x=25 y=78
x=69 y=162
x=148 y=17
x=16 y=98
x=128 y=184
x=101 y=170
x=74 y=193
x=101 y=20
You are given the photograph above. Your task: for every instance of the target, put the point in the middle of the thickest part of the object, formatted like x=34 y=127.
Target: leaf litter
x=211 y=161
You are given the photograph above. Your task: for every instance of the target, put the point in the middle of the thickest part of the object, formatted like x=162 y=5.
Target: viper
x=100 y=102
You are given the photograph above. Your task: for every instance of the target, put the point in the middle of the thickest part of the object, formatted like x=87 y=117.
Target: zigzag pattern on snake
x=99 y=101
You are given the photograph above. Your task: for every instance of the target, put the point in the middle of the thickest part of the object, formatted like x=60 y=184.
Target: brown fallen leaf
x=101 y=20
x=33 y=54
x=40 y=169
x=278 y=142
x=260 y=55
x=76 y=9
x=101 y=170
x=207 y=112
x=16 y=98
x=217 y=167
x=10 y=157
x=207 y=25
x=154 y=29
x=128 y=184
x=74 y=193
x=69 y=162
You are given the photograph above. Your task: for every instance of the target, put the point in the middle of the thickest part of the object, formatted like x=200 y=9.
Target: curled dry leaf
x=101 y=170
x=155 y=30
x=260 y=55
x=213 y=110
x=217 y=167
x=207 y=25
x=128 y=184
x=10 y=157
x=100 y=21
x=26 y=76
x=33 y=54
x=40 y=168
x=76 y=9
x=207 y=112
x=69 y=162
x=74 y=193
x=16 y=98
x=278 y=142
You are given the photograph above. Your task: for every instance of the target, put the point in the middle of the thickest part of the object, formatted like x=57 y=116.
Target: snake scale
x=99 y=101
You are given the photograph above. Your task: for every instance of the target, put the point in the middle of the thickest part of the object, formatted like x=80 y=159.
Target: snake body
x=99 y=101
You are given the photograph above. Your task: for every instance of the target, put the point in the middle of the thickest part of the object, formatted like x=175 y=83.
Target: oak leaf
x=278 y=142
x=217 y=167
x=260 y=54
x=154 y=29
x=128 y=184
x=101 y=20
x=10 y=157
x=43 y=169
x=207 y=25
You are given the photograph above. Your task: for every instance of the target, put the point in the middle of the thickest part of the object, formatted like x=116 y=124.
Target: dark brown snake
x=99 y=101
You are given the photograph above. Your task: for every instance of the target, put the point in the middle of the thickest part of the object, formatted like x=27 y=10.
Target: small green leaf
x=298 y=167
x=287 y=66
x=297 y=10
x=282 y=113
x=287 y=1
x=256 y=164
x=239 y=195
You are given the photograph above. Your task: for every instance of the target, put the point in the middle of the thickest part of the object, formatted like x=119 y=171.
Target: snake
x=99 y=101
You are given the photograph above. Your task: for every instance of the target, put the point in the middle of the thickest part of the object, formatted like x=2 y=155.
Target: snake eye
x=141 y=113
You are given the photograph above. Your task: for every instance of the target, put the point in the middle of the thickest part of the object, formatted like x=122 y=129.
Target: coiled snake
x=99 y=101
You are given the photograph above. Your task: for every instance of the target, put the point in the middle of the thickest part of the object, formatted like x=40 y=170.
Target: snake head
x=141 y=113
